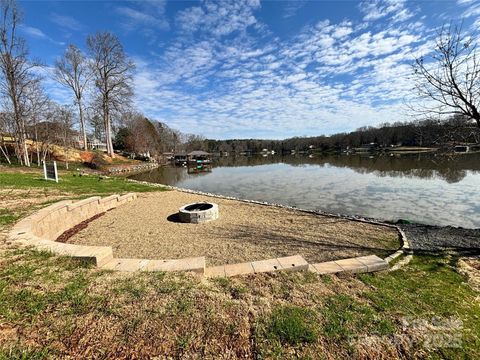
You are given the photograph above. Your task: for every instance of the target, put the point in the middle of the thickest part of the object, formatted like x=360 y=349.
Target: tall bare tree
x=36 y=105
x=16 y=70
x=5 y=124
x=73 y=71
x=113 y=77
x=450 y=78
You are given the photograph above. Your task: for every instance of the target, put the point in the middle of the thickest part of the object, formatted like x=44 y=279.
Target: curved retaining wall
x=42 y=228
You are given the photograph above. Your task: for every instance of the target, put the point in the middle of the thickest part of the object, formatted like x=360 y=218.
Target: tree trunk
x=21 y=132
x=5 y=154
x=36 y=145
x=106 y=119
x=108 y=137
x=23 y=142
x=82 y=125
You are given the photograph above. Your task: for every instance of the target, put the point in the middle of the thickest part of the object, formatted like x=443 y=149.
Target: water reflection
x=421 y=187
x=450 y=168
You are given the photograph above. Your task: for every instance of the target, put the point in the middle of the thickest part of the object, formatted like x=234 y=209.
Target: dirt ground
x=146 y=228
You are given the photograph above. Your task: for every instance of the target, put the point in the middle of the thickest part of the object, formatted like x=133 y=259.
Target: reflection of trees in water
x=452 y=175
x=170 y=175
x=452 y=169
x=164 y=175
x=426 y=166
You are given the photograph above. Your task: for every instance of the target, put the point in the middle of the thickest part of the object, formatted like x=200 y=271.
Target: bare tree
x=36 y=104
x=73 y=71
x=451 y=80
x=4 y=128
x=16 y=72
x=113 y=77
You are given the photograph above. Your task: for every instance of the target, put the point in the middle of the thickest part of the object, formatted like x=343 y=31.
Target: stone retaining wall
x=131 y=168
x=42 y=228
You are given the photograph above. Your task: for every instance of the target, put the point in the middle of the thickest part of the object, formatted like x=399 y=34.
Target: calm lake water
x=435 y=190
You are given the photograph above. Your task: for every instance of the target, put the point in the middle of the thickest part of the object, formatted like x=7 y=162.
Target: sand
x=147 y=228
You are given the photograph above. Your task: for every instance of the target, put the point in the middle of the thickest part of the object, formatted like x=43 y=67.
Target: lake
x=436 y=190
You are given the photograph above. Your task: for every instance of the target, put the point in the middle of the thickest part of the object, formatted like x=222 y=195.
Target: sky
x=256 y=69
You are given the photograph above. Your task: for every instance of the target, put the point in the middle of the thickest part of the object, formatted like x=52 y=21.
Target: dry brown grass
x=244 y=232
x=22 y=199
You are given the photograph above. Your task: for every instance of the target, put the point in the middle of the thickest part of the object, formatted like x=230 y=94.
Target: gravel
x=436 y=238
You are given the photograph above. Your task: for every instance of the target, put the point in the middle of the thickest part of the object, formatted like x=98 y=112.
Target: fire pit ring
x=199 y=212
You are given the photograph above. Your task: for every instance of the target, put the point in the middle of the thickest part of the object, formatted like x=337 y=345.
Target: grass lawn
x=57 y=307
x=71 y=182
x=24 y=190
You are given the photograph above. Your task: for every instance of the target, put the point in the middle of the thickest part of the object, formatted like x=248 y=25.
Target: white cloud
x=147 y=14
x=66 y=22
x=219 y=18
x=223 y=74
x=378 y=9
x=223 y=87
x=39 y=34
x=292 y=7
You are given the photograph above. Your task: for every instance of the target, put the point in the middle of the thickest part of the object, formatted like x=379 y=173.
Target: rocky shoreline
x=430 y=238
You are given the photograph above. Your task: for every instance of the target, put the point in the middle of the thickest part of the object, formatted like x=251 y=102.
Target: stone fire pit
x=197 y=213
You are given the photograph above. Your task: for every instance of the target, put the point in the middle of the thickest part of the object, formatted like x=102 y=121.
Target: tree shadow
x=283 y=244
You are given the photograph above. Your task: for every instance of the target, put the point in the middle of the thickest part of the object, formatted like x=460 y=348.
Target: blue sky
x=257 y=69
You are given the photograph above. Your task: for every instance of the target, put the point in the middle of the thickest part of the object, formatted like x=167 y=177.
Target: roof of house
x=198 y=153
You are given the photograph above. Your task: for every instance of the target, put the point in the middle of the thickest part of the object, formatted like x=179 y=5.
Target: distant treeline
x=425 y=133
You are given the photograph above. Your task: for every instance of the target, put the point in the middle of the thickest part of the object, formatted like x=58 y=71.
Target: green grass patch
x=226 y=285
x=345 y=318
x=292 y=325
x=51 y=297
x=17 y=352
x=429 y=289
x=72 y=183
x=8 y=217
x=135 y=289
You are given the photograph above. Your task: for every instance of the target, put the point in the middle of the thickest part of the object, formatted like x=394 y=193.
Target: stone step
x=196 y=265
x=356 y=265
x=293 y=263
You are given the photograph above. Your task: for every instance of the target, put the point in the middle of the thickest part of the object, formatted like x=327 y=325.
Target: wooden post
x=56 y=171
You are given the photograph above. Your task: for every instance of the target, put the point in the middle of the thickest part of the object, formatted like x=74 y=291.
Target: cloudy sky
x=257 y=69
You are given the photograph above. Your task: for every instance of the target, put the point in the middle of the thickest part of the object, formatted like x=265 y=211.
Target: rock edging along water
x=42 y=228
x=112 y=169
